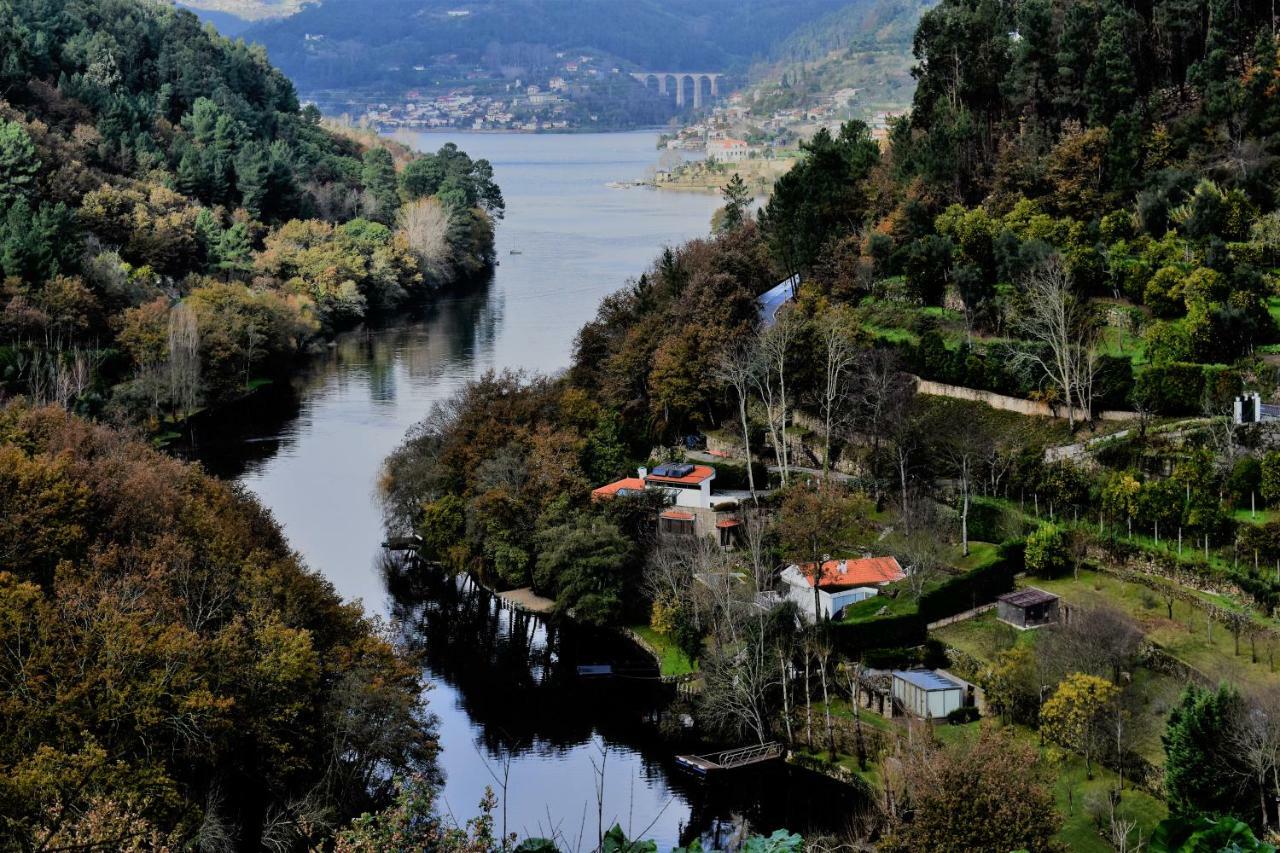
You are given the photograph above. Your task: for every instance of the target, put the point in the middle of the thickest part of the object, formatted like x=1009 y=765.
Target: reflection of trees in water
x=446 y=338
x=516 y=676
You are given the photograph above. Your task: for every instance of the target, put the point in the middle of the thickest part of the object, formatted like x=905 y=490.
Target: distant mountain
x=362 y=43
x=864 y=45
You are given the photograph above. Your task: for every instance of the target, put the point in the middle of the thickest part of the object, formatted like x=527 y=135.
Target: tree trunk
x=826 y=701
x=746 y=443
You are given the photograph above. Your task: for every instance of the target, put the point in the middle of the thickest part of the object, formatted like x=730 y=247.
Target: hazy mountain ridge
x=326 y=45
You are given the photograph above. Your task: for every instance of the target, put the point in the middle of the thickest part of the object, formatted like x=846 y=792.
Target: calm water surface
x=503 y=686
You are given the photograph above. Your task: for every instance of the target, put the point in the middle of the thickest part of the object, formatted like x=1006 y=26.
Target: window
x=678 y=526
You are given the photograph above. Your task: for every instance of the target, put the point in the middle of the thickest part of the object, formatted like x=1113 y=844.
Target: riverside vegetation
x=174 y=230
x=1080 y=208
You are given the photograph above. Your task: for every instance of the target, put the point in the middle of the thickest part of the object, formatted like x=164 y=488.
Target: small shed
x=1028 y=608
x=927 y=693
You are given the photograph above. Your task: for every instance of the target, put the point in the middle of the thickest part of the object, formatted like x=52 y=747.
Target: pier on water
x=731 y=759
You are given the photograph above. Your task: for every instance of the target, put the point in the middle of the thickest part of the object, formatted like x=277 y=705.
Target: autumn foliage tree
x=990 y=793
x=169 y=669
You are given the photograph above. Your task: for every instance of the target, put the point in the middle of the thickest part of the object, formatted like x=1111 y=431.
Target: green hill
x=155 y=177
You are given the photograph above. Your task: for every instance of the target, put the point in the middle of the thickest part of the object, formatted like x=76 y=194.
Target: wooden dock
x=731 y=759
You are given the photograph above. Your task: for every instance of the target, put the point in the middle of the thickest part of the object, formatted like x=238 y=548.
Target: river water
x=503 y=686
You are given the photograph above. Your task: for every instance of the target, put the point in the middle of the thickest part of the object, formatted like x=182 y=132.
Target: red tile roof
x=633 y=483
x=728 y=522
x=697 y=475
x=869 y=571
x=677 y=515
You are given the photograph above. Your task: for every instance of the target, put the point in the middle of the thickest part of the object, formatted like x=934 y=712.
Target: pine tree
x=19 y=165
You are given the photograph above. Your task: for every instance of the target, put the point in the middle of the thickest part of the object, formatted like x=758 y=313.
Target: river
x=502 y=683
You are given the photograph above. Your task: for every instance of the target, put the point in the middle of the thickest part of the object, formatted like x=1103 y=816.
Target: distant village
x=547 y=103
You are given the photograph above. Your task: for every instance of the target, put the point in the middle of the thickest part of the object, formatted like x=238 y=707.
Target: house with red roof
x=692 y=508
x=840 y=583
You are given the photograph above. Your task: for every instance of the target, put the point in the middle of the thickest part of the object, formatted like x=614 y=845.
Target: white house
x=926 y=693
x=728 y=150
x=842 y=583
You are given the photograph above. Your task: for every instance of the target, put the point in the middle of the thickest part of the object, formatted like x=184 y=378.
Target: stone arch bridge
x=693 y=80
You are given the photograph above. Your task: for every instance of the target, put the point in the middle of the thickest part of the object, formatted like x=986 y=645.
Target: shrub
x=1047 y=551
x=960 y=716
x=1170 y=389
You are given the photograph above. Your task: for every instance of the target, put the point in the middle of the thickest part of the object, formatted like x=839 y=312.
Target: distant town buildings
x=728 y=150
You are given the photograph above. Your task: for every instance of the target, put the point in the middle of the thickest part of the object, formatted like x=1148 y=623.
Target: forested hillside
x=329 y=45
x=862 y=46
x=174 y=229
x=172 y=676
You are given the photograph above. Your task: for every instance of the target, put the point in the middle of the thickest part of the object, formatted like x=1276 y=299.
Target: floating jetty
x=731 y=759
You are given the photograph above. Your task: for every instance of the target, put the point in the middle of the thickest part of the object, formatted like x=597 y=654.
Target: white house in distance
x=728 y=150
x=842 y=582
x=926 y=693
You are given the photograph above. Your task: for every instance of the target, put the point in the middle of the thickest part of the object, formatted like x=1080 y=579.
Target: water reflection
x=516 y=680
x=505 y=687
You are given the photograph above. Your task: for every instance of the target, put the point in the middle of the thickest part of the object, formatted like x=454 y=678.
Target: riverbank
x=759 y=174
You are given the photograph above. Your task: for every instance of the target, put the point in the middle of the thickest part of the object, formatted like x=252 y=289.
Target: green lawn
x=671 y=661
x=1262 y=516
x=1185 y=635
x=1124 y=343
x=1073 y=791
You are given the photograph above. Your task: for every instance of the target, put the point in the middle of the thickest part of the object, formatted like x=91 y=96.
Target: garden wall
x=1010 y=404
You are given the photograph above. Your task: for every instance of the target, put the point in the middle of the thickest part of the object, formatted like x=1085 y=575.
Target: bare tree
x=424 y=224
x=921 y=546
x=963 y=445
x=737 y=368
x=1065 y=328
x=1255 y=738
x=1100 y=640
x=840 y=351
x=739 y=684
x=882 y=391
x=184 y=358
x=775 y=345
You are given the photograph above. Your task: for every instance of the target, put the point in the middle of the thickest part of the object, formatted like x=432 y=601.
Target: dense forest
x=327 y=45
x=172 y=675
x=174 y=229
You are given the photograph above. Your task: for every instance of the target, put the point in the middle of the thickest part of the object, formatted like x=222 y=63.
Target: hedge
x=1180 y=388
x=972 y=589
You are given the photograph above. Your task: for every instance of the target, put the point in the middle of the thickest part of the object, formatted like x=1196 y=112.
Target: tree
x=737 y=368
x=1076 y=714
x=990 y=793
x=1203 y=771
x=586 y=561
x=1063 y=327
x=378 y=176
x=1012 y=684
x=19 y=165
x=737 y=199
x=816 y=521
x=840 y=353
x=1270 y=485
x=1047 y=554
